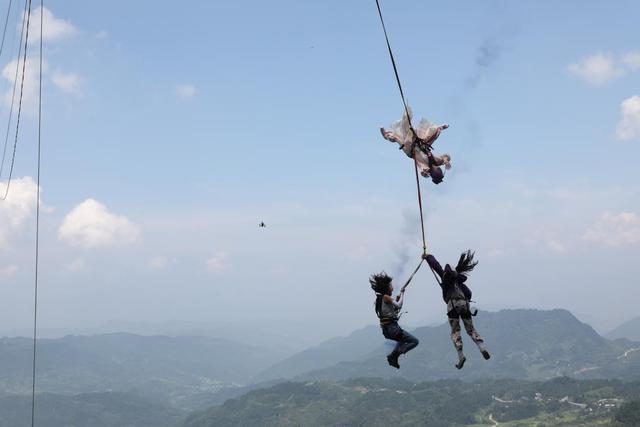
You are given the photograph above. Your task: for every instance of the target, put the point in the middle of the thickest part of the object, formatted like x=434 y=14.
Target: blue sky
x=184 y=125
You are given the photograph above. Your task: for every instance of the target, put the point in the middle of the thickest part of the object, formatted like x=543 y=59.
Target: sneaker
x=485 y=354
x=393 y=360
x=460 y=363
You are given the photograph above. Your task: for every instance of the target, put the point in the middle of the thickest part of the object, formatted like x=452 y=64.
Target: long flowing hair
x=466 y=263
x=380 y=284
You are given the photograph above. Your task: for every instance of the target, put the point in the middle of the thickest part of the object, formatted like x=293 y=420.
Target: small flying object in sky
x=262 y=224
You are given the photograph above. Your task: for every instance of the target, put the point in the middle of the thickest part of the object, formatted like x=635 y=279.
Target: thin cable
x=6 y=22
x=24 y=65
x=395 y=68
x=424 y=239
x=415 y=162
x=13 y=93
x=37 y=255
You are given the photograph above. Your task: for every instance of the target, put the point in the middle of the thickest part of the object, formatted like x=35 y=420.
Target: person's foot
x=383 y=132
x=393 y=360
x=460 y=363
x=485 y=354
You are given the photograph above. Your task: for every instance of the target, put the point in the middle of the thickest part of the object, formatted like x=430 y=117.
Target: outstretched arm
x=435 y=265
x=390 y=136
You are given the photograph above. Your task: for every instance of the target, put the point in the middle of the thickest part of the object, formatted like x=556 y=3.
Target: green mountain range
x=629 y=330
x=446 y=403
x=526 y=344
x=106 y=409
x=165 y=368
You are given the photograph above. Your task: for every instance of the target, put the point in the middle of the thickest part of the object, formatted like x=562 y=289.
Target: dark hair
x=380 y=284
x=436 y=174
x=466 y=263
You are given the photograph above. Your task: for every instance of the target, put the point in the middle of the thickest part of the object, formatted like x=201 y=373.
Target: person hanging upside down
x=457 y=295
x=418 y=145
x=388 y=311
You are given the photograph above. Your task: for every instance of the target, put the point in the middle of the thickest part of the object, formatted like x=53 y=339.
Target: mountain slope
x=355 y=346
x=377 y=402
x=529 y=344
x=629 y=330
x=94 y=409
x=165 y=367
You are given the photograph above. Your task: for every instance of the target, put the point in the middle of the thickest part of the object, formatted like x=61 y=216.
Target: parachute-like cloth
x=425 y=131
x=420 y=148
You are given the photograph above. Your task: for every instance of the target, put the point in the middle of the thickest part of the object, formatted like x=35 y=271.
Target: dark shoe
x=460 y=363
x=393 y=360
x=485 y=354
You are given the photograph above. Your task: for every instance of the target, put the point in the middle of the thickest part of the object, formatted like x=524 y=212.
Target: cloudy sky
x=171 y=130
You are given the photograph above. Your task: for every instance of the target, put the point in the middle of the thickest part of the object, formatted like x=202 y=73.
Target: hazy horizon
x=167 y=138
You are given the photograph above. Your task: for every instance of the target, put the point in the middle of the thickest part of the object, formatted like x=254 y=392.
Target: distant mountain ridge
x=526 y=344
x=629 y=330
x=340 y=349
x=159 y=366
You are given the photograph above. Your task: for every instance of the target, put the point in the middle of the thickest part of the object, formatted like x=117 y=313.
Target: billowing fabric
x=425 y=130
x=428 y=163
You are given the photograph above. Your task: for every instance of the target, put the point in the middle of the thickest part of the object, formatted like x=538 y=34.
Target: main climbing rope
x=415 y=162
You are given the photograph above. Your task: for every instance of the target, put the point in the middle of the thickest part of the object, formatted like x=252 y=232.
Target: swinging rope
x=415 y=162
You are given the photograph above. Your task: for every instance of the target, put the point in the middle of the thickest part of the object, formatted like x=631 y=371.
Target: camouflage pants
x=457 y=310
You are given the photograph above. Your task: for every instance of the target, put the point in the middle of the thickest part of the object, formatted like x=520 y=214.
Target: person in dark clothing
x=388 y=311
x=457 y=295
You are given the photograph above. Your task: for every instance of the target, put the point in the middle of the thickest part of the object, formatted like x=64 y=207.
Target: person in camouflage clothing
x=457 y=295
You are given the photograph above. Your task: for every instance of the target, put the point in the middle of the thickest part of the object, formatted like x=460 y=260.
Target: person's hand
x=398 y=296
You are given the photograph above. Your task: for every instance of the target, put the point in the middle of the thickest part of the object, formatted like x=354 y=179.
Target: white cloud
x=597 y=69
x=545 y=239
x=185 y=91
x=615 y=229
x=158 y=262
x=629 y=125
x=31 y=81
x=632 y=60
x=90 y=225
x=54 y=29
x=8 y=270
x=19 y=206
x=68 y=82
x=217 y=263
